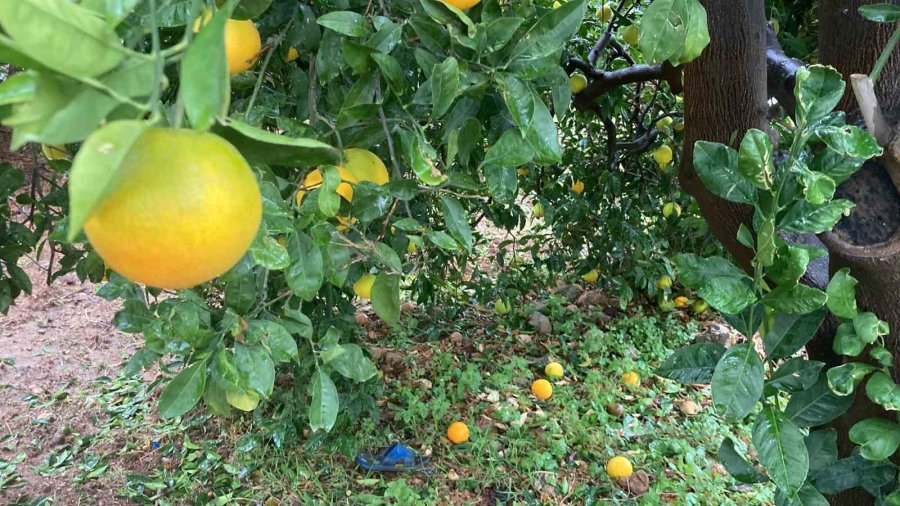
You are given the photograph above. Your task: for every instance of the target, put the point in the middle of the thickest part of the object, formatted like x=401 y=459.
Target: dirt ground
x=53 y=344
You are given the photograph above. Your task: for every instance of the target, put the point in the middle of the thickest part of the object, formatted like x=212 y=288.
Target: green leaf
x=542 y=134
x=95 y=169
x=882 y=390
x=866 y=327
x=853 y=472
x=329 y=200
x=781 y=449
x=808 y=495
x=817 y=187
x=386 y=297
x=692 y=364
x=881 y=13
x=324 y=403
x=803 y=217
x=736 y=465
x=882 y=355
x=728 y=295
x=737 y=382
x=273 y=149
x=844 y=379
x=551 y=32
x=249 y=9
x=818 y=91
x=673 y=30
x=817 y=405
x=63 y=36
x=205 y=85
x=694 y=271
x=268 y=253
x=346 y=23
x=457 y=221
x=442 y=240
x=306 y=272
x=795 y=299
x=846 y=342
x=17 y=88
x=133 y=317
x=422 y=158
x=255 y=364
x=353 y=364
x=841 y=292
x=444 y=86
x=502 y=182
x=821 y=445
x=184 y=391
x=717 y=167
x=765 y=240
x=877 y=438
x=518 y=98
x=509 y=151
x=790 y=332
x=850 y=141
x=795 y=375
x=387 y=258
x=755 y=159
x=790 y=264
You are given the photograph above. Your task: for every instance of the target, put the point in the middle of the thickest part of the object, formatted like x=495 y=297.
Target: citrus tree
x=242 y=170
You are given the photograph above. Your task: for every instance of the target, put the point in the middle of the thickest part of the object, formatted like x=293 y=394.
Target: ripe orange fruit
x=681 y=301
x=458 y=432
x=242 y=45
x=631 y=378
x=462 y=4
x=185 y=208
x=619 y=467
x=542 y=389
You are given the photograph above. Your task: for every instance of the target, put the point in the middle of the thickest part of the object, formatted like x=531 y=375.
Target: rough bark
x=725 y=95
x=868 y=241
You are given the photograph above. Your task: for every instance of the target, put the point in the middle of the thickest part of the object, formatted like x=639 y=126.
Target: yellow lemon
x=542 y=389
x=184 y=209
x=700 y=307
x=246 y=401
x=578 y=187
x=458 y=433
x=577 y=82
x=631 y=378
x=55 y=152
x=604 y=13
x=670 y=209
x=537 y=210
x=462 y=4
x=556 y=4
x=663 y=155
x=664 y=282
x=591 y=276
x=630 y=35
x=242 y=45
x=679 y=127
x=664 y=122
x=554 y=370
x=345 y=222
x=363 y=286
x=411 y=247
x=359 y=165
x=619 y=467
x=292 y=54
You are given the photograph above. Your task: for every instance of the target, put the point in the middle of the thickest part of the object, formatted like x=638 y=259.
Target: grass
x=521 y=451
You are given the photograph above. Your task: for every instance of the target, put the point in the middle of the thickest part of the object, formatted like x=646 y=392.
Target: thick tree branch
x=601 y=82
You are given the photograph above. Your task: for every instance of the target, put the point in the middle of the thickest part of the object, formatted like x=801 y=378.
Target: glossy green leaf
x=797 y=299
x=346 y=23
x=269 y=253
x=673 y=30
x=841 y=292
x=692 y=364
x=550 y=33
x=854 y=472
x=803 y=217
x=737 y=382
x=205 y=85
x=881 y=13
x=273 y=149
x=821 y=445
x=850 y=141
x=457 y=221
x=818 y=188
x=96 y=168
x=64 y=36
x=877 y=438
x=184 y=391
x=755 y=159
x=727 y=294
x=818 y=91
x=255 y=364
x=324 y=403
x=717 y=167
x=736 y=465
x=354 y=364
x=250 y=9
x=17 y=88
x=795 y=375
x=306 y=272
x=789 y=333
x=422 y=157
x=444 y=86
x=386 y=297
x=510 y=150
x=781 y=449
x=502 y=182
x=844 y=379
x=882 y=390
x=846 y=342
x=817 y=405
x=866 y=326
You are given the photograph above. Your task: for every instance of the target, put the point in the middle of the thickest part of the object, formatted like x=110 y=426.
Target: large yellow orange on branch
x=462 y=4
x=184 y=209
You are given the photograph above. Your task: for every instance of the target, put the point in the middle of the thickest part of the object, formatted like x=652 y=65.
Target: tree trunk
x=724 y=96
x=867 y=241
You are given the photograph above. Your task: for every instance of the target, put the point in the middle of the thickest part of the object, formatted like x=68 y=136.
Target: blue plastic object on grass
x=394 y=458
